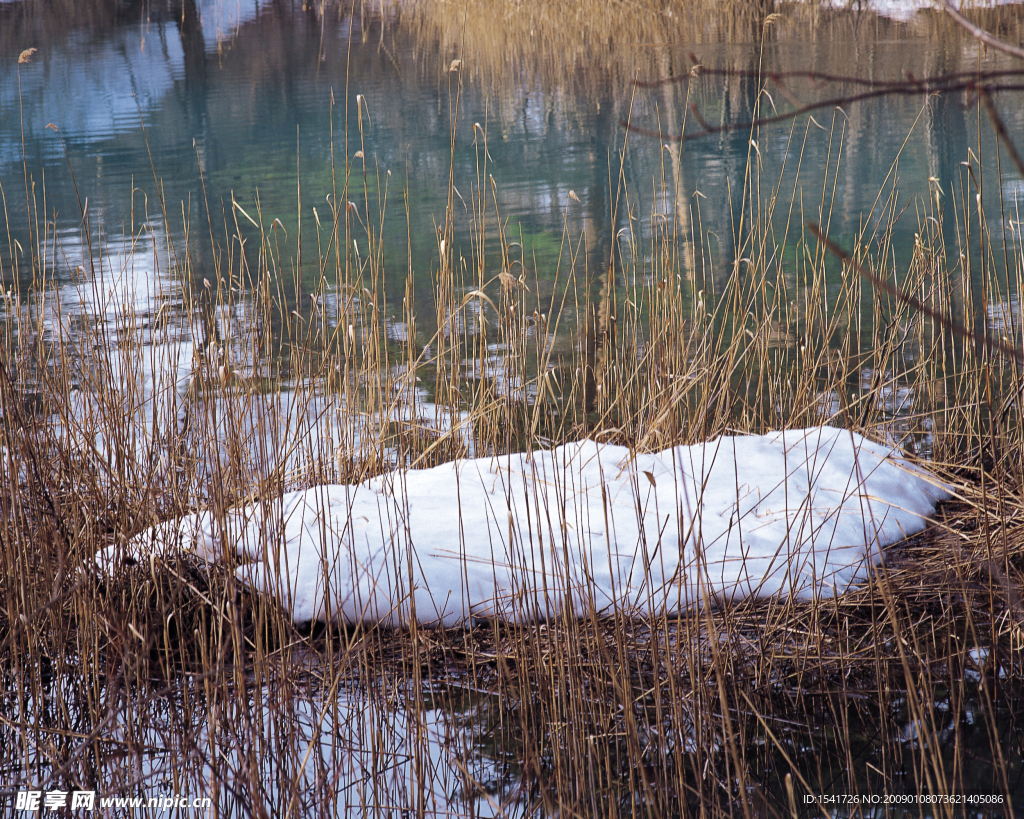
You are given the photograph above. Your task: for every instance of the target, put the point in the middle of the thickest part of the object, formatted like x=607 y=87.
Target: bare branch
x=979 y=82
x=820 y=78
x=990 y=342
x=1000 y=129
x=979 y=33
x=909 y=87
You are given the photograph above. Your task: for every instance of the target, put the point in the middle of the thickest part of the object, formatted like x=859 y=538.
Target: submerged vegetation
x=137 y=385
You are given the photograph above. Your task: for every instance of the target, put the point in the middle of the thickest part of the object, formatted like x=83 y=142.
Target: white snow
x=905 y=10
x=573 y=531
x=148 y=385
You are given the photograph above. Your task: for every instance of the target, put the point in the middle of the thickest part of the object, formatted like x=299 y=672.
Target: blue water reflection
x=239 y=97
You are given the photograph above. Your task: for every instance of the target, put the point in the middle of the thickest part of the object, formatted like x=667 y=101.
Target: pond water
x=202 y=104
x=309 y=743
x=170 y=132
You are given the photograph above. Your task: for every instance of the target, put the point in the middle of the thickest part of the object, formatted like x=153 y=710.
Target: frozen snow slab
x=576 y=530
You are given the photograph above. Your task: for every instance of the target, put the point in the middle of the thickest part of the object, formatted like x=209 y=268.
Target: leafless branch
x=1000 y=129
x=908 y=87
x=990 y=342
x=979 y=33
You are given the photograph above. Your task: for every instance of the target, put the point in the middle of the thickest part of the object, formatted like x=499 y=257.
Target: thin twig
x=956 y=329
x=907 y=88
x=1000 y=129
x=979 y=33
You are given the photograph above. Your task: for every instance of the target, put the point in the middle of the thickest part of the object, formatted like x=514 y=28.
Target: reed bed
x=172 y=676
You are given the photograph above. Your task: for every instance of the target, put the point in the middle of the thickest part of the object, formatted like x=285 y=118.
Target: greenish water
x=128 y=139
x=237 y=104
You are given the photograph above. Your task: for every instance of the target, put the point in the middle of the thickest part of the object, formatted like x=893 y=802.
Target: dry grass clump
x=179 y=610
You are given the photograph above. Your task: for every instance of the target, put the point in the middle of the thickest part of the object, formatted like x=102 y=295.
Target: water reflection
x=242 y=94
x=379 y=747
x=323 y=752
x=190 y=384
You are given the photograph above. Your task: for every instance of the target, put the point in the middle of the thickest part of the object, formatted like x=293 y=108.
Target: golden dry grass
x=904 y=685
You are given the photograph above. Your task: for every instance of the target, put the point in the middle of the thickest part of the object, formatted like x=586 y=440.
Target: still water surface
x=176 y=129
x=259 y=100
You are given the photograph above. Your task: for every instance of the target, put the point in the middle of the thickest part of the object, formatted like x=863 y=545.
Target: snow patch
x=578 y=530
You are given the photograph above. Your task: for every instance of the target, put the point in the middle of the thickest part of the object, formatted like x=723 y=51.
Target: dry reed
x=172 y=675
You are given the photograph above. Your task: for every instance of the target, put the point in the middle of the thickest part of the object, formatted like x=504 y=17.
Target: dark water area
x=203 y=104
x=337 y=749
